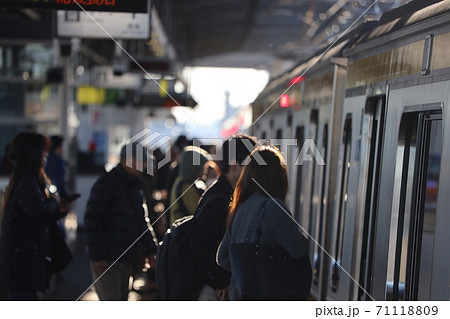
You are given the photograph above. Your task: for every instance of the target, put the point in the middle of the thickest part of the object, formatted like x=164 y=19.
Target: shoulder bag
x=261 y=272
x=61 y=256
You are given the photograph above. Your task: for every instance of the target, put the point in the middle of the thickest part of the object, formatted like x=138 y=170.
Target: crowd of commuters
x=237 y=202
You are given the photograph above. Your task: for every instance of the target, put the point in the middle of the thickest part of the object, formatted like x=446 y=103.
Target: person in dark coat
x=116 y=228
x=258 y=214
x=211 y=214
x=30 y=207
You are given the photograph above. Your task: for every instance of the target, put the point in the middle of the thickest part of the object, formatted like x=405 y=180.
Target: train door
x=343 y=212
x=411 y=258
x=280 y=135
x=412 y=230
x=304 y=126
x=324 y=180
x=317 y=228
x=372 y=131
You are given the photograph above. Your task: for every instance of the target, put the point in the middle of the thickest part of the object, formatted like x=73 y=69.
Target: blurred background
x=100 y=74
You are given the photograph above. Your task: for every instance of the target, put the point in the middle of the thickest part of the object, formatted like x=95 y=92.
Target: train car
x=376 y=107
x=311 y=97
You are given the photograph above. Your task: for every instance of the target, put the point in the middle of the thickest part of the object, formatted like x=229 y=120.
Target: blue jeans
x=22 y=295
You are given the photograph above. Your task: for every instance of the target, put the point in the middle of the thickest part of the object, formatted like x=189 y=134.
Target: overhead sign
x=87 y=95
x=91 y=95
x=118 y=25
x=137 y=6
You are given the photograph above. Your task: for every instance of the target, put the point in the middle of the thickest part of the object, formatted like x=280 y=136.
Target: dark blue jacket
x=56 y=171
x=276 y=227
x=115 y=218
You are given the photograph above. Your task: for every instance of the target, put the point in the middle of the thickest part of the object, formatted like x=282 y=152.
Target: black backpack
x=177 y=274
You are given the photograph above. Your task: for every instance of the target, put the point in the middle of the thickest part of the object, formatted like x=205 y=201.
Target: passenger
x=211 y=217
x=172 y=171
x=191 y=163
x=114 y=220
x=30 y=208
x=257 y=219
x=175 y=153
x=56 y=168
x=149 y=187
x=56 y=171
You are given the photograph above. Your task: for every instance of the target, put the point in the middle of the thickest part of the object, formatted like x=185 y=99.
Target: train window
x=312 y=210
x=279 y=134
x=318 y=232
x=289 y=126
x=263 y=135
x=413 y=224
x=300 y=136
x=339 y=231
x=314 y=118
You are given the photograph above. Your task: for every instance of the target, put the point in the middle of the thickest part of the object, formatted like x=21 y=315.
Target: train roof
x=403 y=16
x=325 y=53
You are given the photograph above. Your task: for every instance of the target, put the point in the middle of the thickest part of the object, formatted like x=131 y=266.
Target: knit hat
x=191 y=162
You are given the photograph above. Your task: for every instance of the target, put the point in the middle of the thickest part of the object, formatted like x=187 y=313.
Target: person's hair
x=237 y=145
x=56 y=142
x=270 y=178
x=135 y=150
x=26 y=154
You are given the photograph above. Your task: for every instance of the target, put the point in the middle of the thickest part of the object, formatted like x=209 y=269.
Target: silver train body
x=377 y=107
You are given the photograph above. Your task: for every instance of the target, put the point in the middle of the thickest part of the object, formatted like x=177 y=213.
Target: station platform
x=71 y=284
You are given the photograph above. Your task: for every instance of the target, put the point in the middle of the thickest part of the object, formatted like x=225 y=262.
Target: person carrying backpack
x=176 y=272
x=211 y=215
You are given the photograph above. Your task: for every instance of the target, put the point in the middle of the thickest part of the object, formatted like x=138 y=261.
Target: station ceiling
x=260 y=33
x=263 y=34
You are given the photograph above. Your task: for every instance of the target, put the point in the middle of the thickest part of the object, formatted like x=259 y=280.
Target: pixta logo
x=142 y=145
x=145 y=142
x=308 y=152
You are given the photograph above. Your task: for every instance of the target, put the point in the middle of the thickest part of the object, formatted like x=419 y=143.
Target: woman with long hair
x=258 y=218
x=29 y=207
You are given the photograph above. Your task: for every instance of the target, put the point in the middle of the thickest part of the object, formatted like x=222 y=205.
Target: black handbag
x=60 y=254
x=261 y=272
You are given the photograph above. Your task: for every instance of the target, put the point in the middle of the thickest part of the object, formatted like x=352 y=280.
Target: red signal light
x=284 y=100
x=296 y=80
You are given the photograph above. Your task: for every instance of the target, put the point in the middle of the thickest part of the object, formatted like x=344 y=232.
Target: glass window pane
x=346 y=163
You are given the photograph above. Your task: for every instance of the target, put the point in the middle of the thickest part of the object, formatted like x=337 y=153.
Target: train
x=376 y=104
